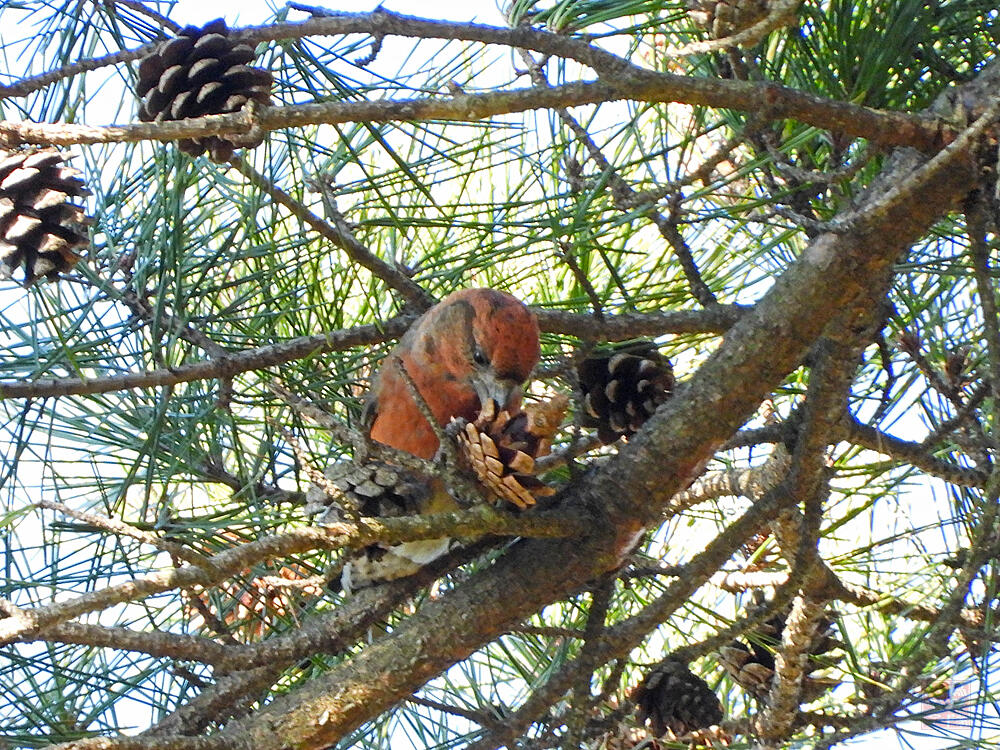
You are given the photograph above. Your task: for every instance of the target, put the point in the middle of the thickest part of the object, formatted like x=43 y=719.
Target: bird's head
x=484 y=340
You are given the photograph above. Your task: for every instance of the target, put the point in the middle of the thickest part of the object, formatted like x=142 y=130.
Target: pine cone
x=252 y=603
x=673 y=699
x=621 y=388
x=375 y=489
x=722 y=18
x=39 y=228
x=751 y=663
x=202 y=72
x=501 y=449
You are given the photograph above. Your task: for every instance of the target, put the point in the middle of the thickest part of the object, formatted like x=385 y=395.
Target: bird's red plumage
x=440 y=354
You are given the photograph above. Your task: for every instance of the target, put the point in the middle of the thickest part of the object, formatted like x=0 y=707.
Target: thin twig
x=482 y=718
x=364 y=448
x=589 y=660
x=114 y=526
x=148 y=12
x=915 y=454
x=583 y=444
x=337 y=231
x=566 y=255
x=230 y=365
x=446 y=447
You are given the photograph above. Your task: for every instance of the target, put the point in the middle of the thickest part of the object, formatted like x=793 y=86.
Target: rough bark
x=632 y=489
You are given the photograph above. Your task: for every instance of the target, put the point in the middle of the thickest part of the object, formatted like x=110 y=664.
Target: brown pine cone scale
x=622 y=388
x=40 y=230
x=202 y=72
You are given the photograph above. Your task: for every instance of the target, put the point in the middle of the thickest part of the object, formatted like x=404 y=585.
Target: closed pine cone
x=673 y=699
x=374 y=489
x=202 y=72
x=621 y=388
x=40 y=229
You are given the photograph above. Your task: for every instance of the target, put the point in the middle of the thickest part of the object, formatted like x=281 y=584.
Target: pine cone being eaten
x=39 y=228
x=501 y=449
x=673 y=699
x=621 y=388
x=751 y=663
x=202 y=72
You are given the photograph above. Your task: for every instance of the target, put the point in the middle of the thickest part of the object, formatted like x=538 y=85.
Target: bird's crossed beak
x=504 y=391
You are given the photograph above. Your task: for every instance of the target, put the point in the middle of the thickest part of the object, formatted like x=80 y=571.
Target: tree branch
x=915 y=454
x=884 y=128
x=475 y=522
x=614 y=328
x=620 y=80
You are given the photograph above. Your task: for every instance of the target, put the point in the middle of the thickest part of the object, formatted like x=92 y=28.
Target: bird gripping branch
x=474 y=347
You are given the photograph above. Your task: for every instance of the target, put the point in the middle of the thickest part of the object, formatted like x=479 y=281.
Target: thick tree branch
x=620 y=79
x=717 y=319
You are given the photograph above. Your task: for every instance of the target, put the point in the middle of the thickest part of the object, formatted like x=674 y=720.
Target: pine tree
x=798 y=218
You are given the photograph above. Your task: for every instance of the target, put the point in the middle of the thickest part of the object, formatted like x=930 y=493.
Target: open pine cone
x=501 y=449
x=39 y=228
x=673 y=699
x=751 y=663
x=621 y=388
x=202 y=72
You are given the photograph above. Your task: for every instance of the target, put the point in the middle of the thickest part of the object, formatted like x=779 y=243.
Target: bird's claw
x=455 y=427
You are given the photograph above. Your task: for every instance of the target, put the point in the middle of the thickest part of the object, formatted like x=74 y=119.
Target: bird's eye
x=479 y=357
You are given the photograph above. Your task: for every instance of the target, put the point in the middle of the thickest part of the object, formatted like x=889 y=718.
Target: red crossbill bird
x=473 y=347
